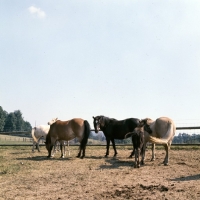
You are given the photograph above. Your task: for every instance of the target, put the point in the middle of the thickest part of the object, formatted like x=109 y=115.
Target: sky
x=84 y=58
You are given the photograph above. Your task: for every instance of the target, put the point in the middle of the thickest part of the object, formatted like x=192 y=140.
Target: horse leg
x=143 y=149
x=107 y=147
x=83 y=155
x=62 y=147
x=49 y=151
x=53 y=150
x=166 y=160
x=64 y=152
x=68 y=148
x=33 y=149
x=153 y=152
x=133 y=152
x=38 y=147
x=136 y=152
x=114 y=147
x=138 y=161
x=79 y=153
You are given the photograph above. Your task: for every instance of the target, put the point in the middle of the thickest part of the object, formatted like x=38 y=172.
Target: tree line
x=184 y=138
x=181 y=138
x=13 y=121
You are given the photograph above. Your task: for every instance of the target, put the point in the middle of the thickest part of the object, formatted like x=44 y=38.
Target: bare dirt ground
x=27 y=175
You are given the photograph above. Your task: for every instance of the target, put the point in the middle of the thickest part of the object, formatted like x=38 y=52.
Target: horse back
x=41 y=130
x=117 y=129
x=161 y=126
x=126 y=125
x=67 y=130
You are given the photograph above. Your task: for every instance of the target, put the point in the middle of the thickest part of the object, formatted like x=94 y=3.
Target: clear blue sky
x=120 y=59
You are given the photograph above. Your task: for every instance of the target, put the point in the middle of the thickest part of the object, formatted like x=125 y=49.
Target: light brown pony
x=68 y=130
x=160 y=131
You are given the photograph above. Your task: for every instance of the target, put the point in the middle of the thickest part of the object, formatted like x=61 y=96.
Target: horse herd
x=159 y=131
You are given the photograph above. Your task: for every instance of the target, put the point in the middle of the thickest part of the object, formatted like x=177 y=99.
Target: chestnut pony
x=68 y=130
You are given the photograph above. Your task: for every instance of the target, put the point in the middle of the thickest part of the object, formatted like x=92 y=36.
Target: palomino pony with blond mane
x=68 y=130
x=159 y=131
x=38 y=133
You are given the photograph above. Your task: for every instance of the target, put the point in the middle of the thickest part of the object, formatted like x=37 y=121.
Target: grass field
x=27 y=175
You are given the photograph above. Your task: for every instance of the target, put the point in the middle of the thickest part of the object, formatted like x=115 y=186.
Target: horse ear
x=93 y=117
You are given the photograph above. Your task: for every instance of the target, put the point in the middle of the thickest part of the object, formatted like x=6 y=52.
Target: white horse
x=61 y=143
x=39 y=133
x=159 y=131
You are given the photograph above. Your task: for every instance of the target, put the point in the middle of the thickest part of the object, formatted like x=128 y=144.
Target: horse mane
x=106 y=120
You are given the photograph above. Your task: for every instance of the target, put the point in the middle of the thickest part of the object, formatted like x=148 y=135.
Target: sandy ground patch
x=27 y=175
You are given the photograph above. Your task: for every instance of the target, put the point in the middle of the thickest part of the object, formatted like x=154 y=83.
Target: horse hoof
x=106 y=156
x=166 y=164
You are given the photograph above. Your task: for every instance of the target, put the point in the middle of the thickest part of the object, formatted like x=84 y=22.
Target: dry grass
x=27 y=175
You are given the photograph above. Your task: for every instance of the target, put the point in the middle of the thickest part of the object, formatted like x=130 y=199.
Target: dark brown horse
x=68 y=130
x=114 y=129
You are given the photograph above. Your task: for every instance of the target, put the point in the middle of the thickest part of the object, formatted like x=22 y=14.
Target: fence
x=25 y=139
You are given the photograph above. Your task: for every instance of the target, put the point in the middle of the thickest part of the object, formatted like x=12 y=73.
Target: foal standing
x=138 y=144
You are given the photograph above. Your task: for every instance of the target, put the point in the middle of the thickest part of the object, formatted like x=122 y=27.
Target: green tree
x=10 y=123
x=3 y=115
x=27 y=126
x=19 y=123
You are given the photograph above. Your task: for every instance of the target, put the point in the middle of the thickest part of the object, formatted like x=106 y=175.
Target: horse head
x=48 y=142
x=145 y=123
x=98 y=122
x=52 y=121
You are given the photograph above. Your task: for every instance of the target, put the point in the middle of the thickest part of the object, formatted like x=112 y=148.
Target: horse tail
x=157 y=140
x=85 y=134
x=128 y=135
x=33 y=134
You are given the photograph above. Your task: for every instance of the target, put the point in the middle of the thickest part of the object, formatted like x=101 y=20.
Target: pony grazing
x=159 y=131
x=60 y=144
x=38 y=133
x=114 y=129
x=68 y=130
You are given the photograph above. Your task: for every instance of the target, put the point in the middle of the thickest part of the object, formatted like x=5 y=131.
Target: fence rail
x=26 y=138
x=103 y=145
x=188 y=128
